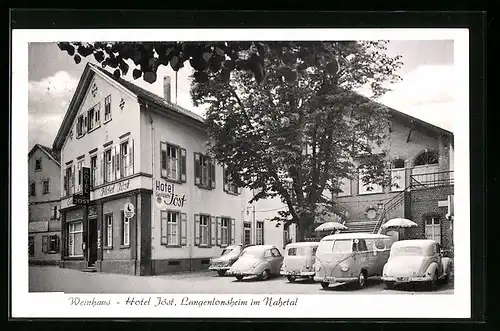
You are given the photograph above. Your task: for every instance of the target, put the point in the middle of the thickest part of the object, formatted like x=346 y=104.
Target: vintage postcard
x=269 y=172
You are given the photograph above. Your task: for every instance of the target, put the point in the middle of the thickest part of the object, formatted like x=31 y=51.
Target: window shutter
x=65 y=184
x=197 y=169
x=224 y=179
x=197 y=230
x=112 y=165
x=212 y=173
x=239 y=190
x=213 y=230
x=131 y=157
x=85 y=124
x=45 y=244
x=102 y=168
x=218 y=233
x=183 y=165
x=117 y=149
x=163 y=159
x=73 y=178
x=263 y=241
x=232 y=230
x=183 y=229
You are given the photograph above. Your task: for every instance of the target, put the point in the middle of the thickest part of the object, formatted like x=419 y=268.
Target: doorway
x=92 y=249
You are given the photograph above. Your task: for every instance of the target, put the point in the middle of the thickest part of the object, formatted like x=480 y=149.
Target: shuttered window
x=204 y=170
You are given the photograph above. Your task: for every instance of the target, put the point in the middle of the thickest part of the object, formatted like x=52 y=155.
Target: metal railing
x=432 y=179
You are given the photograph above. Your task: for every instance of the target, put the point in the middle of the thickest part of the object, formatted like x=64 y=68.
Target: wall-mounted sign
x=165 y=195
x=92 y=211
x=41 y=226
x=129 y=210
x=74 y=215
x=80 y=199
x=114 y=188
x=86 y=182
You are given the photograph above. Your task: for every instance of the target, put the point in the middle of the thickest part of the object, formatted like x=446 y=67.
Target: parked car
x=299 y=260
x=262 y=261
x=350 y=257
x=229 y=255
x=416 y=261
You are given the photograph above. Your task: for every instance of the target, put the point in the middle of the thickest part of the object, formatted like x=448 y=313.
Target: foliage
x=298 y=133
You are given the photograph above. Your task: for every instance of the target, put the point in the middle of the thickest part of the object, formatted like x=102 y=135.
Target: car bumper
x=332 y=280
x=218 y=268
x=297 y=274
x=412 y=279
x=243 y=274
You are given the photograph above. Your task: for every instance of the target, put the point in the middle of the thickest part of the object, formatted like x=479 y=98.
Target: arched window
x=398 y=164
x=425 y=158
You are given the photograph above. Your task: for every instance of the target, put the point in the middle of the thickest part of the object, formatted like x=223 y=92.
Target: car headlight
x=344 y=267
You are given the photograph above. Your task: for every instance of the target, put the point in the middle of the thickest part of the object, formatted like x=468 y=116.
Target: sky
x=425 y=92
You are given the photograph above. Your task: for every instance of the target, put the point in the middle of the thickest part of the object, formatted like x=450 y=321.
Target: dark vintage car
x=229 y=255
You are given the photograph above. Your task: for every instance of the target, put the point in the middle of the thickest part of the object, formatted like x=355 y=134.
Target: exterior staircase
x=361 y=226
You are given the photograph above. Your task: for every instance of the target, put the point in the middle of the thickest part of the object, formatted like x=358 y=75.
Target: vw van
x=351 y=257
x=299 y=260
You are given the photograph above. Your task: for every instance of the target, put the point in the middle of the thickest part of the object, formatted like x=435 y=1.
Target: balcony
x=433 y=179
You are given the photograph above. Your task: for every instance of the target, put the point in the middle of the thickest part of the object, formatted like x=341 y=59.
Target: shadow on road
x=353 y=286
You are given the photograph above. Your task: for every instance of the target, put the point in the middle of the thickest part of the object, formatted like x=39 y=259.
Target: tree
x=298 y=132
x=208 y=59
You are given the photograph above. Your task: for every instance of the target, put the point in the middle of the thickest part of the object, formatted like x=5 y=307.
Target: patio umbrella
x=399 y=223
x=330 y=226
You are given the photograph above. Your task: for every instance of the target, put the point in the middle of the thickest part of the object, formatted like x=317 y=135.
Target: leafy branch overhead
x=208 y=59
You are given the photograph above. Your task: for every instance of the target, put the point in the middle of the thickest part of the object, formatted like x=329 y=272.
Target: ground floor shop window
x=433 y=228
x=259 y=240
x=170 y=221
x=75 y=239
x=50 y=244
x=31 y=246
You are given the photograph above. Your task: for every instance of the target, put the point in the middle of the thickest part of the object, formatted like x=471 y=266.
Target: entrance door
x=92 y=250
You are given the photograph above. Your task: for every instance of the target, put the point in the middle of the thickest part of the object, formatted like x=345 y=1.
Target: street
x=54 y=279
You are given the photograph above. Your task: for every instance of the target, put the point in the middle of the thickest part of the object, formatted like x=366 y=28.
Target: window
x=108 y=166
x=108 y=230
x=170 y=221
x=427 y=157
x=93 y=117
x=107 y=108
x=124 y=159
x=367 y=188
x=31 y=246
x=80 y=127
x=80 y=177
x=275 y=252
x=75 y=239
x=50 y=244
x=93 y=171
x=247 y=233
x=38 y=164
x=173 y=162
x=225 y=226
x=229 y=185
x=433 y=228
x=69 y=181
x=359 y=245
x=33 y=189
x=125 y=230
x=204 y=171
x=204 y=230
x=259 y=240
x=46 y=186
x=55 y=215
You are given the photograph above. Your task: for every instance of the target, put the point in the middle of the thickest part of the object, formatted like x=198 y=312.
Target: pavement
x=55 y=279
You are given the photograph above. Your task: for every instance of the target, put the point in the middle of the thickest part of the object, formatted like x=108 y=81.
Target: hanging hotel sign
x=165 y=195
x=129 y=210
x=84 y=197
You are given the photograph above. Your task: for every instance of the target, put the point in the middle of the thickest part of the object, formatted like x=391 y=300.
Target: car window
x=275 y=252
x=314 y=251
x=268 y=253
x=359 y=245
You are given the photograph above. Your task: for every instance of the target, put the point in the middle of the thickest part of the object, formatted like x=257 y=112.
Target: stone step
x=90 y=269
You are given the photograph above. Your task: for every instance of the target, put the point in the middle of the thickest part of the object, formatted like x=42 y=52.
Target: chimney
x=167 y=86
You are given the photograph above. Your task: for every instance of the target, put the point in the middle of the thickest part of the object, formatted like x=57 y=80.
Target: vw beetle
x=262 y=261
x=416 y=261
x=229 y=255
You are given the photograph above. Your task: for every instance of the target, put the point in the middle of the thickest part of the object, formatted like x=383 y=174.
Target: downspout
x=152 y=181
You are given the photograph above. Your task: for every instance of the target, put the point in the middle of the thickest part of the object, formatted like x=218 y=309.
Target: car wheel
x=239 y=278
x=264 y=275
x=389 y=285
x=362 y=279
x=433 y=282
x=325 y=285
x=291 y=279
x=221 y=272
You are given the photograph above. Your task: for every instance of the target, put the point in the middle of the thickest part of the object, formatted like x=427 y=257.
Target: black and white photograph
x=179 y=171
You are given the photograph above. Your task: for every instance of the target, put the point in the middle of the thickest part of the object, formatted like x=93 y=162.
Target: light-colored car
x=229 y=255
x=350 y=257
x=262 y=261
x=299 y=260
x=416 y=261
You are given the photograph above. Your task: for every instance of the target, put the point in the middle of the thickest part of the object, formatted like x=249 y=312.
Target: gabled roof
x=49 y=151
x=140 y=93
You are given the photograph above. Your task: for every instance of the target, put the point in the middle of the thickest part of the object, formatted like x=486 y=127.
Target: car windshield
x=407 y=251
x=334 y=246
x=228 y=250
x=298 y=251
x=252 y=252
